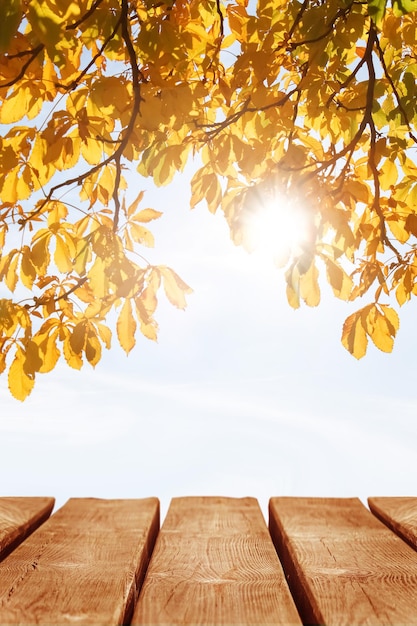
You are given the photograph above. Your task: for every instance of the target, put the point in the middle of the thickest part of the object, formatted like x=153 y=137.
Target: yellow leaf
x=61 y=256
x=292 y=277
x=175 y=288
x=148 y=297
x=98 y=280
x=411 y=224
x=164 y=169
x=149 y=330
x=57 y=211
x=27 y=269
x=142 y=235
x=106 y=183
x=309 y=286
x=11 y=275
x=392 y=318
x=78 y=337
x=389 y=174
x=340 y=282
x=12 y=316
x=2 y=361
x=40 y=253
x=354 y=336
x=238 y=19
x=16 y=106
x=8 y=269
x=132 y=207
x=397 y=226
x=82 y=256
x=73 y=359
x=46 y=24
x=198 y=186
x=105 y=335
x=33 y=361
x=126 y=327
x=360 y=190
x=148 y=326
x=213 y=192
x=20 y=384
x=380 y=330
x=146 y=215
x=46 y=341
x=92 y=347
x=402 y=294
x=92 y=150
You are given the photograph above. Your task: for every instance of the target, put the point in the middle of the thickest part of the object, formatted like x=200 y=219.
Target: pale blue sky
x=240 y=396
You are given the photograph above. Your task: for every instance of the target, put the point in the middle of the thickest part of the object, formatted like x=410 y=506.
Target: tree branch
x=394 y=89
x=122 y=23
x=339 y=14
x=98 y=54
x=137 y=99
x=376 y=205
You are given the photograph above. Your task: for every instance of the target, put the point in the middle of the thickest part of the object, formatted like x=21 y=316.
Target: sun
x=275 y=224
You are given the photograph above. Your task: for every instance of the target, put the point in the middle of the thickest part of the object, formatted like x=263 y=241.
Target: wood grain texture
x=85 y=565
x=214 y=563
x=19 y=517
x=343 y=565
x=399 y=514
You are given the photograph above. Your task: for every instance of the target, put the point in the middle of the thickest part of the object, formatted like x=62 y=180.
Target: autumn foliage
x=312 y=100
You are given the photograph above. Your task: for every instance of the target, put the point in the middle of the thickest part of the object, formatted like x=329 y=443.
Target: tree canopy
x=311 y=102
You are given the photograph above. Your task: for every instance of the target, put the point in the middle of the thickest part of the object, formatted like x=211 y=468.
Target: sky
x=241 y=396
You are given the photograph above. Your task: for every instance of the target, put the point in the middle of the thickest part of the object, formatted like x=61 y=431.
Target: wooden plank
x=399 y=514
x=84 y=565
x=343 y=565
x=19 y=517
x=214 y=563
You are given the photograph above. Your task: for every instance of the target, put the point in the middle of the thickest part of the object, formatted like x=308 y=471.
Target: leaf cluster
x=314 y=100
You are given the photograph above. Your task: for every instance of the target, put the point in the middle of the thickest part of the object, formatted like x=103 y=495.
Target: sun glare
x=276 y=227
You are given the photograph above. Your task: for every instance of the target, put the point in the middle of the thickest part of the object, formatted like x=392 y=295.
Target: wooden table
x=214 y=561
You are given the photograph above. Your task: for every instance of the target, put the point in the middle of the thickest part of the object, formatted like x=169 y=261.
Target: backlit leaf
x=380 y=328
x=46 y=24
x=92 y=347
x=49 y=351
x=62 y=257
x=20 y=383
x=354 y=336
x=401 y=7
x=339 y=280
x=78 y=337
x=175 y=288
x=309 y=286
x=146 y=215
x=126 y=327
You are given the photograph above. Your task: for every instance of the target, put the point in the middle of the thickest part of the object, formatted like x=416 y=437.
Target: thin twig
x=394 y=89
x=116 y=156
x=85 y=17
x=376 y=205
x=98 y=54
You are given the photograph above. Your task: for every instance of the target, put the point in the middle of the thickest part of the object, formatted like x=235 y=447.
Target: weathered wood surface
x=399 y=514
x=84 y=565
x=344 y=566
x=214 y=563
x=19 y=517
